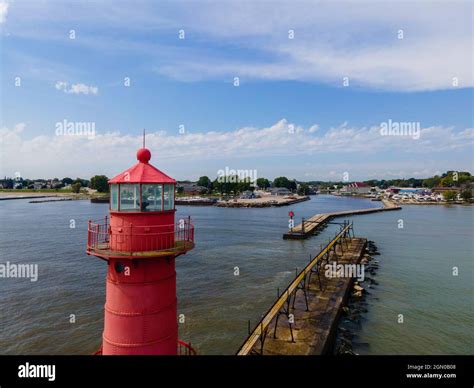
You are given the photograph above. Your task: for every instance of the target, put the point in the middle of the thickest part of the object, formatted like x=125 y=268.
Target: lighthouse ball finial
x=143 y=155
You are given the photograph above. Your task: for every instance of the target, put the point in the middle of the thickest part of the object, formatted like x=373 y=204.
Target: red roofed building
x=356 y=188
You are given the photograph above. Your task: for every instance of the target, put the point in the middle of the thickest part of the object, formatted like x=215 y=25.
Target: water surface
x=415 y=276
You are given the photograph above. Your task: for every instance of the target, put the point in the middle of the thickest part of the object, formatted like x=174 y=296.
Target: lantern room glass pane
x=152 y=198
x=113 y=197
x=168 y=196
x=129 y=197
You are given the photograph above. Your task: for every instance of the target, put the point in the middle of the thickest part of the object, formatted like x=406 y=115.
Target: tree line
x=97 y=182
x=234 y=185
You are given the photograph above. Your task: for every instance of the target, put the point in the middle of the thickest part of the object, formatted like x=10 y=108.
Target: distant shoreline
x=12 y=195
x=267 y=201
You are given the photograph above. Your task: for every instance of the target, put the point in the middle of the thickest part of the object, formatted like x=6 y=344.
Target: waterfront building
x=280 y=191
x=191 y=188
x=356 y=188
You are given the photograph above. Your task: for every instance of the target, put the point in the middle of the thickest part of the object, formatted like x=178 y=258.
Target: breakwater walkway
x=268 y=201
x=309 y=226
x=11 y=197
x=304 y=318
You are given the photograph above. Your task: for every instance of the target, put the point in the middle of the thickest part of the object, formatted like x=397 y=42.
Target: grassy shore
x=28 y=193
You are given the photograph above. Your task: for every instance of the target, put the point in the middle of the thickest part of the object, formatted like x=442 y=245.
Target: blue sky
x=291 y=113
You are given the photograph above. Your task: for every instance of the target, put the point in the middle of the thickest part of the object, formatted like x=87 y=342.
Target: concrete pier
x=314 y=330
x=304 y=319
x=309 y=226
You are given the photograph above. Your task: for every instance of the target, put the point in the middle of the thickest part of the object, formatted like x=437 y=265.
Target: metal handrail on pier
x=185 y=349
x=284 y=301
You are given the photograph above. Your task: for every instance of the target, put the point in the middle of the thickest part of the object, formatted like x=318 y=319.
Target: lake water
x=415 y=276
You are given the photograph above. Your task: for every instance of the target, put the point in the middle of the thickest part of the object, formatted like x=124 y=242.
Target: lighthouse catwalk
x=140 y=241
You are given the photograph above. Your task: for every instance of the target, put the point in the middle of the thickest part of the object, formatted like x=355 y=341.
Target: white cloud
x=313 y=128
x=410 y=66
x=3 y=11
x=76 y=88
x=194 y=154
x=61 y=85
x=332 y=40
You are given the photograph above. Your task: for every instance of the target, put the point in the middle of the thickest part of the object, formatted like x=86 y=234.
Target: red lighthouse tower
x=140 y=242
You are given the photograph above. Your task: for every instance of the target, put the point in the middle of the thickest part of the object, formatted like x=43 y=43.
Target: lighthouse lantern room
x=140 y=241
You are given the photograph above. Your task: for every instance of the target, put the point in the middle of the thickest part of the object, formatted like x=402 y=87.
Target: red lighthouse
x=140 y=242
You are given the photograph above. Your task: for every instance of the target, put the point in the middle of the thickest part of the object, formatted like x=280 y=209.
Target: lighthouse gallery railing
x=102 y=236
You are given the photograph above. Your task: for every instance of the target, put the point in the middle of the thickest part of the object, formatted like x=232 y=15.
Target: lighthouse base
x=141 y=308
x=184 y=349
